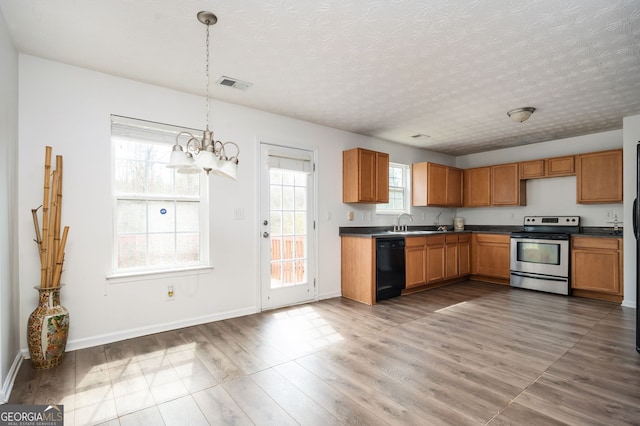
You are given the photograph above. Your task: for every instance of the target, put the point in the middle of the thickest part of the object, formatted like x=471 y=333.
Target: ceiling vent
x=234 y=82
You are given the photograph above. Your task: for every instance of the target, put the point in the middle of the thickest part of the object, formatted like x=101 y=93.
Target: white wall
x=69 y=108
x=9 y=319
x=631 y=132
x=544 y=196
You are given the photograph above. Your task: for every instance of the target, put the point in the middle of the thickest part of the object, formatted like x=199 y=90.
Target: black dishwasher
x=390 y=275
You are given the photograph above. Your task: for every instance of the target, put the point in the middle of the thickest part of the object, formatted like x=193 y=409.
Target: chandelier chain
x=207 y=84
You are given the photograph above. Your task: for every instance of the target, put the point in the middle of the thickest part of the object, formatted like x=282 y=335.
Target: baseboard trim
x=331 y=295
x=103 y=339
x=7 y=386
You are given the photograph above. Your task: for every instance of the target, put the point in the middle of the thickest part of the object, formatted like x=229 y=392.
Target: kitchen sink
x=414 y=232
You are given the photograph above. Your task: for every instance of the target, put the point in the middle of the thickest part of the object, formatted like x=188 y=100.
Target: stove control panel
x=552 y=220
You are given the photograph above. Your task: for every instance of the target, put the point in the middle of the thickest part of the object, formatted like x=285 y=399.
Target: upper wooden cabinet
x=365 y=176
x=506 y=187
x=494 y=186
x=436 y=185
x=560 y=166
x=548 y=167
x=477 y=187
x=599 y=177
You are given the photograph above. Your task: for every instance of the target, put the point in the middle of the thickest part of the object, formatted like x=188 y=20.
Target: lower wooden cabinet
x=596 y=268
x=490 y=261
x=415 y=259
x=464 y=254
x=436 y=258
x=358 y=270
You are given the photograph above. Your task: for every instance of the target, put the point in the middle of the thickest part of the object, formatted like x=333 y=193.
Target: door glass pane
x=289 y=221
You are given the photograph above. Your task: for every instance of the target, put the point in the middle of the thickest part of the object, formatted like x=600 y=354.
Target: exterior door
x=287 y=228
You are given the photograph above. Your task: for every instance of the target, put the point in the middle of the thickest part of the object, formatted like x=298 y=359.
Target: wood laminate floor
x=466 y=354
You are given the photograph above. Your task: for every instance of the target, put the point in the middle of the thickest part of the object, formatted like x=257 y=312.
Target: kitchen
x=60 y=97
x=471 y=257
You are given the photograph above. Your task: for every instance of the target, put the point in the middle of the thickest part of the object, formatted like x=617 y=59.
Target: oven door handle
x=538 y=276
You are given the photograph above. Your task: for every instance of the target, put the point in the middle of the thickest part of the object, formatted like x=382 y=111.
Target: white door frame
x=264 y=274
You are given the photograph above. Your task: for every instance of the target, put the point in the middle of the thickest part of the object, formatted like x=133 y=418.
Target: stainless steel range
x=540 y=253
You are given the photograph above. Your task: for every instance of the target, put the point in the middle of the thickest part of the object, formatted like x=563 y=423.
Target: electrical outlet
x=608 y=214
x=171 y=295
x=350 y=216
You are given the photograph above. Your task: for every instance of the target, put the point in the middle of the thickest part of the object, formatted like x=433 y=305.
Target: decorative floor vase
x=48 y=329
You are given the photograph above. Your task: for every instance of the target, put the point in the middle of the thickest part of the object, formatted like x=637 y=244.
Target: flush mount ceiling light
x=420 y=136
x=204 y=154
x=521 y=114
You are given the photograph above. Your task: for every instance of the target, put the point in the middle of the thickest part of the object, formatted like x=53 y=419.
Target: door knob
x=265 y=234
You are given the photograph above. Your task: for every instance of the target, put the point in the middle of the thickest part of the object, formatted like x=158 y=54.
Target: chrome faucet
x=437 y=221
x=397 y=227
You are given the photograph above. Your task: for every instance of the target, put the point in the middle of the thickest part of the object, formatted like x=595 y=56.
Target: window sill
x=152 y=275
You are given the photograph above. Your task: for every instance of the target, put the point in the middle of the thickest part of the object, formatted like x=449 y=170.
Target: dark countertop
x=385 y=231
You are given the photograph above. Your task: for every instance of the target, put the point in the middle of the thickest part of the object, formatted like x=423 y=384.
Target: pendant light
x=204 y=154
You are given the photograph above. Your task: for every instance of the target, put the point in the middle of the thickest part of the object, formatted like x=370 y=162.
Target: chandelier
x=204 y=154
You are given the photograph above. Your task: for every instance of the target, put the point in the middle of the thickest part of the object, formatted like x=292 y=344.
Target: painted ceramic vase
x=48 y=329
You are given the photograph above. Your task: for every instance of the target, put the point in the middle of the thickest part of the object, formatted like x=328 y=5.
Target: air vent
x=421 y=136
x=234 y=82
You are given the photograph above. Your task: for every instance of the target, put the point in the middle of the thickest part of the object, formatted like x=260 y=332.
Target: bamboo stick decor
x=50 y=245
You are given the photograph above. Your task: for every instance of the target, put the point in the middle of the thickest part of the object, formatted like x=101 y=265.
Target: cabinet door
x=599 y=177
x=561 y=166
x=365 y=176
x=436 y=184
x=477 y=187
x=506 y=187
x=451 y=256
x=435 y=259
x=596 y=265
x=532 y=169
x=454 y=187
x=490 y=255
x=382 y=178
x=464 y=255
x=415 y=261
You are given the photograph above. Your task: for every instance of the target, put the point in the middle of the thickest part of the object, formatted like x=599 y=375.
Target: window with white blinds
x=160 y=216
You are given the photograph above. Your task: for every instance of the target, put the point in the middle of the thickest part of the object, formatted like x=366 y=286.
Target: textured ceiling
x=385 y=68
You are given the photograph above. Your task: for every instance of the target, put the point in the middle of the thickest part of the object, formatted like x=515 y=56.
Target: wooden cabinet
x=435 y=258
x=436 y=185
x=451 y=256
x=548 y=167
x=597 y=268
x=494 y=186
x=358 y=270
x=490 y=257
x=477 y=187
x=506 y=187
x=464 y=254
x=415 y=253
x=599 y=177
x=365 y=176
x=532 y=169
x=560 y=166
